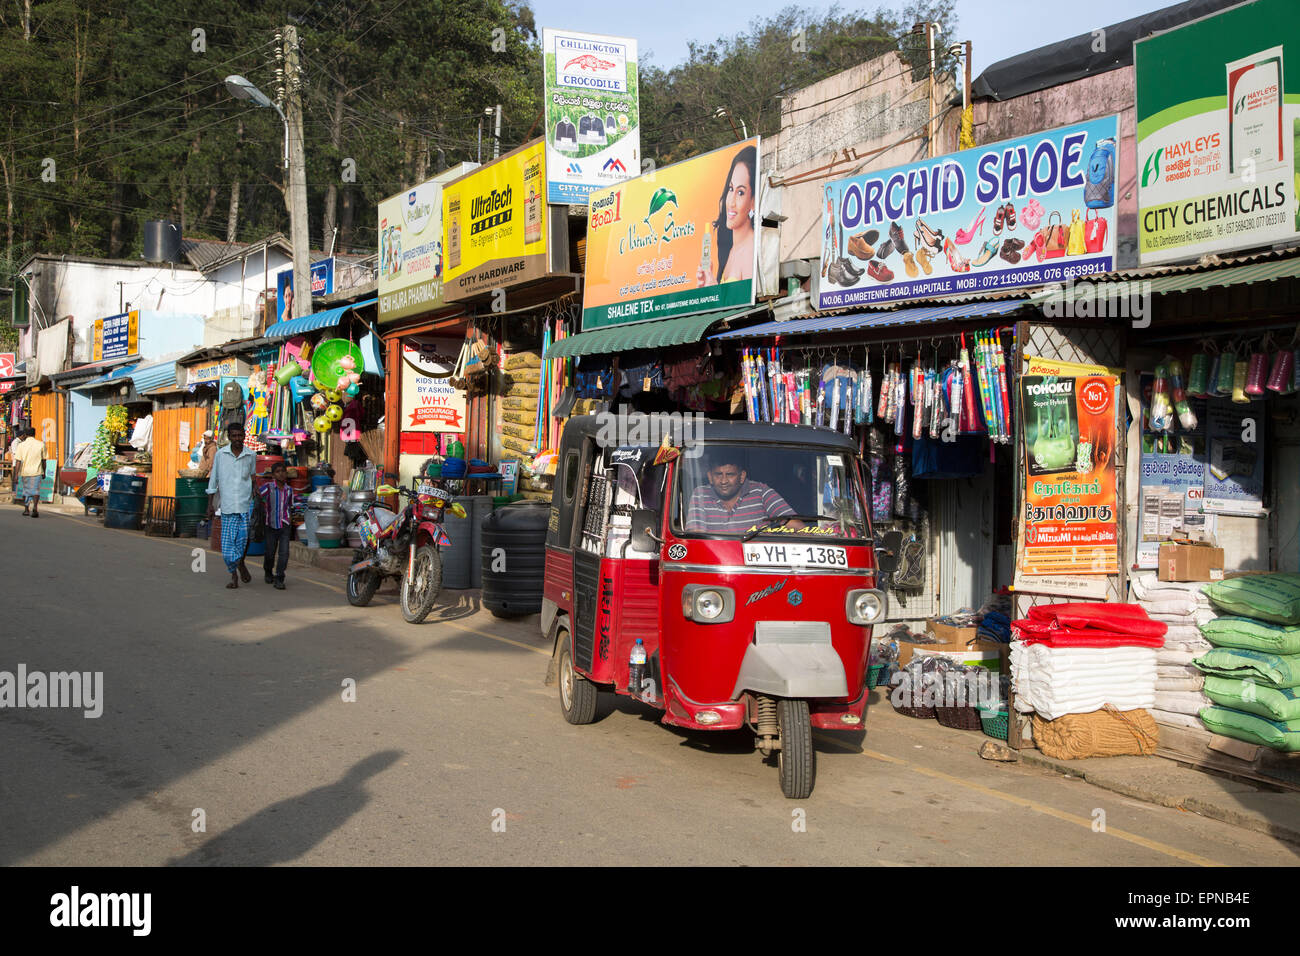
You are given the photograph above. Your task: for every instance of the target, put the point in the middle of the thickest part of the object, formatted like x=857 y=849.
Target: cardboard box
x=961 y=644
x=1190 y=561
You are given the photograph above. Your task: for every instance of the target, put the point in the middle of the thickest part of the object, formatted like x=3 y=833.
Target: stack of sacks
x=1079 y=658
x=1253 y=672
x=1183 y=606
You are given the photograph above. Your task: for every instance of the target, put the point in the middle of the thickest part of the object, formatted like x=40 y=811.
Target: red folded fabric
x=1090 y=625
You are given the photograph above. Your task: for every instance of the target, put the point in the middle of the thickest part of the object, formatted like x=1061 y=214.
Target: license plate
x=788 y=555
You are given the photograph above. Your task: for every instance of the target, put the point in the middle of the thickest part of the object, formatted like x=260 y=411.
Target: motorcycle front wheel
x=420 y=588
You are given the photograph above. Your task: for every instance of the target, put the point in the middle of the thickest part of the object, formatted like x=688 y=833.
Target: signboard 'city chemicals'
x=1024 y=212
x=494 y=221
x=674 y=242
x=593 y=134
x=410 y=252
x=1217 y=133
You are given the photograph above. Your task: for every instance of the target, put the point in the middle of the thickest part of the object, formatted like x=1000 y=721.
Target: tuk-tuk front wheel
x=796 y=761
x=577 y=694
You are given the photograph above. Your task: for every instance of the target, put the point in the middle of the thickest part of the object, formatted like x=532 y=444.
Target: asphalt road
x=232 y=703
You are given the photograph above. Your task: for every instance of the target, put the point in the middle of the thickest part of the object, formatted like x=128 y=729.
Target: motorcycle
x=405 y=545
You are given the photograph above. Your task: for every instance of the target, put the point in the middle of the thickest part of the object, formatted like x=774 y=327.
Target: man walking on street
x=232 y=483
x=277 y=498
x=29 y=465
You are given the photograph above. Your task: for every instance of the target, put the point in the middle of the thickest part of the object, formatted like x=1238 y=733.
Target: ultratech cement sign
x=495 y=225
x=1217 y=133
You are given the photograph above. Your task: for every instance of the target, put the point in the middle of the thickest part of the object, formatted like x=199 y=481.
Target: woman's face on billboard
x=740 y=197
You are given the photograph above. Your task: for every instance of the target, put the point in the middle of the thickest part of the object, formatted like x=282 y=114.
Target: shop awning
x=877 y=320
x=113 y=376
x=645 y=335
x=1189 y=281
x=153 y=377
x=310 y=323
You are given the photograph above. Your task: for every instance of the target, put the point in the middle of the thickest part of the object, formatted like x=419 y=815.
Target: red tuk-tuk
x=735 y=560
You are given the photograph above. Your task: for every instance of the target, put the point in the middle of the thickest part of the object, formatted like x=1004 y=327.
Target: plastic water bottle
x=636 y=668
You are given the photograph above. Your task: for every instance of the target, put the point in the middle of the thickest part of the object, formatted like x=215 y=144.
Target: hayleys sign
x=593 y=136
x=410 y=252
x=1218 y=126
x=674 y=242
x=1023 y=212
x=494 y=221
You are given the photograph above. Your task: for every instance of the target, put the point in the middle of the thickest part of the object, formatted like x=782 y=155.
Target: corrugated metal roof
x=645 y=335
x=310 y=323
x=1265 y=271
x=116 y=375
x=876 y=320
x=154 y=377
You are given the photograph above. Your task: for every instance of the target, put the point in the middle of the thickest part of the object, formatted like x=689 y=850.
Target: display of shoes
x=1010 y=217
x=849 y=269
x=896 y=237
x=835 y=272
x=860 y=248
x=999 y=218
x=1034 y=250
x=1010 y=252
x=1032 y=215
x=884 y=249
x=989 y=250
x=956 y=261
x=909 y=264
x=964 y=236
x=879 y=271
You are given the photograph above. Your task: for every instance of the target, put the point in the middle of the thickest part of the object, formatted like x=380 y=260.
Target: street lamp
x=721 y=112
x=241 y=89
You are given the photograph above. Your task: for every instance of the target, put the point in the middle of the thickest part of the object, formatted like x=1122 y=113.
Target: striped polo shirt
x=754 y=502
x=279 y=501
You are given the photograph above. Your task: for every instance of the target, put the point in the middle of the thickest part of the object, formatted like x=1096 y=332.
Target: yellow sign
x=117 y=336
x=494 y=222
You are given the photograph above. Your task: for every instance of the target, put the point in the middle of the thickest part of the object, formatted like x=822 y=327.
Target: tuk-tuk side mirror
x=645 y=530
x=886 y=560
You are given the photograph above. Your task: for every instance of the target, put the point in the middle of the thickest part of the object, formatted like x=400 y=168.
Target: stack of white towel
x=1181 y=605
x=1055 y=681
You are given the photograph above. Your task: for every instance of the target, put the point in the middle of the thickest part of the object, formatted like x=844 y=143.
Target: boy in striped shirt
x=732 y=504
x=277 y=498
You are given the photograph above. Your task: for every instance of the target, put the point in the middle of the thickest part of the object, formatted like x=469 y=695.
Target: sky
x=997 y=29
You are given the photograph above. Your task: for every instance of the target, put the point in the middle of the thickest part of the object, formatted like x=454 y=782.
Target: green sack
x=1271 y=703
x=1268 y=597
x=1272 y=669
x=1278 y=734
x=1252 y=635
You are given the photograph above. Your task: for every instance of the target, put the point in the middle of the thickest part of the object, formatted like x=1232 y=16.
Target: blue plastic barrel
x=125 y=506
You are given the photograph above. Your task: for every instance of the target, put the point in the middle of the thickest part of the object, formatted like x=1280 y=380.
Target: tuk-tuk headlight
x=866 y=607
x=707 y=604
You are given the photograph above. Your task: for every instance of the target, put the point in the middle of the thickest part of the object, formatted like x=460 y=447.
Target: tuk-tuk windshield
x=773 y=490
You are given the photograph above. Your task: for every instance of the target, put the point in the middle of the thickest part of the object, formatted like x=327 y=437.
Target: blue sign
x=117 y=341
x=1022 y=212
x=322 y=283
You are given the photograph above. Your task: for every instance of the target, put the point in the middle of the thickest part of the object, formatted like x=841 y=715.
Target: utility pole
x=298 y=234
x=930 y=131
x=496 y=142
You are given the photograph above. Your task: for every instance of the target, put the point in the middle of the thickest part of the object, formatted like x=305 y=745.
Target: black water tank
x=513 y=576
x=162 y=241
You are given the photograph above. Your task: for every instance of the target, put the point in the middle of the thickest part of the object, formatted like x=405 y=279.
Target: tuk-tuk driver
x=732 y=504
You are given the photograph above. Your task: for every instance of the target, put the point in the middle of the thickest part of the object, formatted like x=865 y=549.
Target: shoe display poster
x=678 y=241
x=593 y=134
x=1218 y=131
x=1070 y=517
x=1023 y=212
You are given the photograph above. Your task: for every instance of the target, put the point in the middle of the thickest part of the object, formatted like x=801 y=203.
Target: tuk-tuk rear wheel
x=796 y=760
x=577 y=694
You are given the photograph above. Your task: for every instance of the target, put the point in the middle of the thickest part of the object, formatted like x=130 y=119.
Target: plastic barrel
x=191 y=504
x=125 y=501
x=456 y=560
x=514 y=588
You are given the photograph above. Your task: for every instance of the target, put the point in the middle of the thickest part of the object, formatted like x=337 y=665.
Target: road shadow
x=288 y=829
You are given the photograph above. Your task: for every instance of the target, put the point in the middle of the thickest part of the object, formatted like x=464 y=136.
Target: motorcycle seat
x=384 y=517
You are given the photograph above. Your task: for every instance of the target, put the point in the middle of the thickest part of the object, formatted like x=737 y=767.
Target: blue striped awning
x=113 y=376
x=152 y=377
x=876 y=320
x=310 y=323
